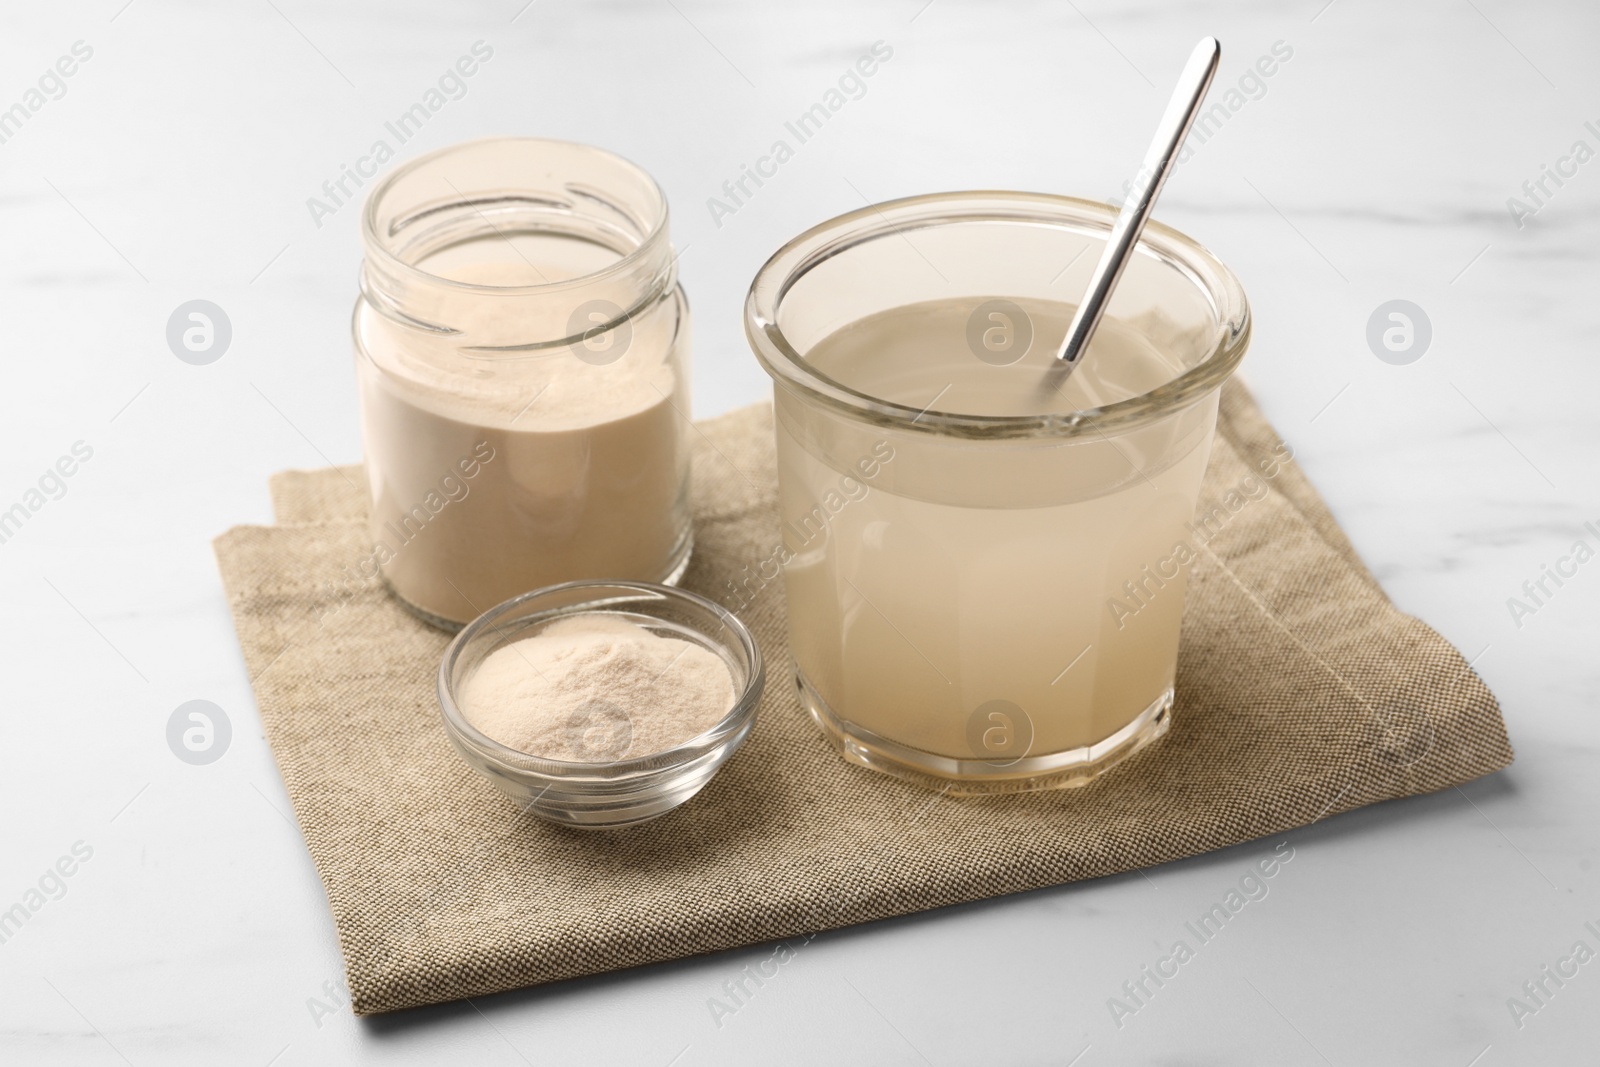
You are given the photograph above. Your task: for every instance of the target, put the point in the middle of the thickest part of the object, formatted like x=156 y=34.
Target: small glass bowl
x=604 y=795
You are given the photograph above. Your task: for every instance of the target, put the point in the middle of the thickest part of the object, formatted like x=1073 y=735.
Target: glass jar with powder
x=522 y=353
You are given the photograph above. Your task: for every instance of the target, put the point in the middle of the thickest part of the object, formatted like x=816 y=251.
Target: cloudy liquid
x=958 y=604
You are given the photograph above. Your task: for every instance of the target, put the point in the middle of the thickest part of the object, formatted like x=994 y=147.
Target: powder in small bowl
x=597 y=688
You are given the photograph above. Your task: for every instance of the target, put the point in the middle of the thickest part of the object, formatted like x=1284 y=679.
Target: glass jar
x=989 y=602
x=523 y=362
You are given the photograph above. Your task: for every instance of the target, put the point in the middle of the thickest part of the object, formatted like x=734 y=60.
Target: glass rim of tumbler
x=652 y=230
x=837 y=236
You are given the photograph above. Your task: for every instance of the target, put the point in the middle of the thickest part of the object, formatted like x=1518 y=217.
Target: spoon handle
x=1158 y=163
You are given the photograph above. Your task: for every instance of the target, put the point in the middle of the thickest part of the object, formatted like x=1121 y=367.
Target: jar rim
x=789 y=369
x=650 y=240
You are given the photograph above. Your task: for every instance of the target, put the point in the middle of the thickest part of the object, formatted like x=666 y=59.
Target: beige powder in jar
x=500 y=456
x=597 y=688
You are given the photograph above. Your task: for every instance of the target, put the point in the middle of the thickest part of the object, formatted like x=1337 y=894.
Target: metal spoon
x=1158 y=163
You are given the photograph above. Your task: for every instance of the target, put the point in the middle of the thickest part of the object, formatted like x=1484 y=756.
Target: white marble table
x=1375 y=163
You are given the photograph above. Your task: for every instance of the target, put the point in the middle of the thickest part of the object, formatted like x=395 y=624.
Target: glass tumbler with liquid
x=985 y=575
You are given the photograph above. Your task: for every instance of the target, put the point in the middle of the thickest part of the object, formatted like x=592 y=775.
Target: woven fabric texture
x=1301 y=692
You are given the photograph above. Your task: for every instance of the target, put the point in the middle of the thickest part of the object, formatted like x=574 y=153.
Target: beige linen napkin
x=1301 y=693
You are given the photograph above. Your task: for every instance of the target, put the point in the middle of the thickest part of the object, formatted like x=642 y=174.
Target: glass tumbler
x=989 y=603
